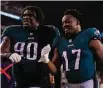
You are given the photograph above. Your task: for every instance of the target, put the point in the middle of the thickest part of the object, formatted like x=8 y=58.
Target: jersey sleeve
x=94 y=34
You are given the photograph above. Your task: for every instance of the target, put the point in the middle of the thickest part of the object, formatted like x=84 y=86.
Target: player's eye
x=30 y=15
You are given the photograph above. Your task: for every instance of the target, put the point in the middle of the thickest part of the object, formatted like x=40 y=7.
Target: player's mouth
x=27 y=22
x=67 y=29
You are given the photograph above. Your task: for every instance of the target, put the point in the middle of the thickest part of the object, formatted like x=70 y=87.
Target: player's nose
x=26 y=17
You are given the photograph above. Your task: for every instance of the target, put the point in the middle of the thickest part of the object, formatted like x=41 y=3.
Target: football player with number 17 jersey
x=76 y=49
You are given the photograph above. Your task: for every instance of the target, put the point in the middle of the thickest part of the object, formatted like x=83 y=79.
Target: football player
x=76 y=50
x=28 y=47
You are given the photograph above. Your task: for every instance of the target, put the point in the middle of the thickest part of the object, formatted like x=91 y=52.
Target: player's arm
x=5 y=51
x=50 y=64
x=52 y=67
x=45 y=58
x=57 y=77
x=5 y=48
x=97 y=47
x=56 y=59
x=55 y=37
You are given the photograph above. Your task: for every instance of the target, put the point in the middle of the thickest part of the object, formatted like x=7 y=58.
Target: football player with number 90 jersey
x=25 y=44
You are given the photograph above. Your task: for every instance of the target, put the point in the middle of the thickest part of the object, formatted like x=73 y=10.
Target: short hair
x=74 y=13
x=39 y=14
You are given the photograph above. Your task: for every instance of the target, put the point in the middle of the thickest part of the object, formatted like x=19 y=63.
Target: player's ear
x=78 y=27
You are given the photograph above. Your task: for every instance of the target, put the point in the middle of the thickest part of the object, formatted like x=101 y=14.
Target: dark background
x=53 y=11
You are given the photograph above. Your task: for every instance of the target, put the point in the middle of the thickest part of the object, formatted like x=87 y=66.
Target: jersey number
x=19 y=47
x=76 y=66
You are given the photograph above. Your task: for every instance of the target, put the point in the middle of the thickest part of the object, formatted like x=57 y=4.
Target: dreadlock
x=38 y=12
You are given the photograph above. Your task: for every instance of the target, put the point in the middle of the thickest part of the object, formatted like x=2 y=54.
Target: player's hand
x=44 y=54
x=15 y=57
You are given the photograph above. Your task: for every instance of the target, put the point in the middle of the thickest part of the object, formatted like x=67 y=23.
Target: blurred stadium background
x=53 y=11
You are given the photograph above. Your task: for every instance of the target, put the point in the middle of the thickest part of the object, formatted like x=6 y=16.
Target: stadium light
x=10 y=15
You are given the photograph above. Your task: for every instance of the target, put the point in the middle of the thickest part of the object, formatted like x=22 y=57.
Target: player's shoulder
x=50 y=29
x=10 y=30
x=13 y=27
x=93 y=30
x=92 y=33
x=53 y=28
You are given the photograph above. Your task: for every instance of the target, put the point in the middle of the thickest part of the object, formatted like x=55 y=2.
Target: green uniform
x=28 y=44
x=77 y=56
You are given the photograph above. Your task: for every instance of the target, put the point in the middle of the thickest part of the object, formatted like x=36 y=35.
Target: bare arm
x=53 y=64
x=97 y=46
x=56 y=59
x=52 y=67
x=5 y=48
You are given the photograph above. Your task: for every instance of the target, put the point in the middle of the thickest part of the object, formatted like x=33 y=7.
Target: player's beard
x=27 y=23
x=69 y=33
x=28 y=26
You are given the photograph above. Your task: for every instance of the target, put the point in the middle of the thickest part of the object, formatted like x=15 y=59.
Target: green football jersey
x=28 y=44
x=77 y=56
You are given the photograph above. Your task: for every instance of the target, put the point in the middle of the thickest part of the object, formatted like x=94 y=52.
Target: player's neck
x=72 y=36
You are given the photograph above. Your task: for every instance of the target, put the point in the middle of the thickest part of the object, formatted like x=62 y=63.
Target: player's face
x=29 y=19
x=69 y=24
